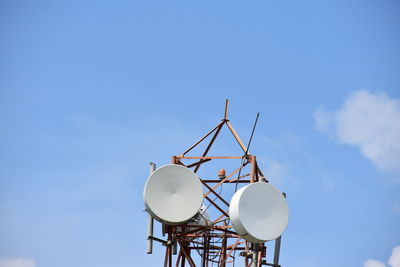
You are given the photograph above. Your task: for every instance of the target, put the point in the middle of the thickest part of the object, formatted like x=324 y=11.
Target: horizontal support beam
x=222 y=157
x=197 y=163
x=226 y=182
x=218 y=248
x=157 y=239
x=209 y=235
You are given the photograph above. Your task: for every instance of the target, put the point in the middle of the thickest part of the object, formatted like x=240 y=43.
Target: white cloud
x=17 y=262
x=369 y=121
x=394 y=259
x=373 y=263
x=323 y=121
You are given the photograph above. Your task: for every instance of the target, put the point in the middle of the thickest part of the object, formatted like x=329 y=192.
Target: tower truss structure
x=217 y=242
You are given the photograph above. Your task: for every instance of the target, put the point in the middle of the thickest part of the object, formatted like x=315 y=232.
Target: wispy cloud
x=277 y=172
x=323 y=122
x=282 y=165
x=17 y=262
x=373 y=263
x=369 y=121
x=394 y=260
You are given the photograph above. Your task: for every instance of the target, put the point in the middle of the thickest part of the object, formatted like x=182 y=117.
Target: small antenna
x=226 y=109
x=252 y=133
x=247 y=149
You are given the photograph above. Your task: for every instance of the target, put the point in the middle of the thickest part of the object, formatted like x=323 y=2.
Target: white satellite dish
x=259 y=212
x=173 y=194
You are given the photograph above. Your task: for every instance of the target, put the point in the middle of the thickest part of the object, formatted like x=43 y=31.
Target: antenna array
x=174 y=196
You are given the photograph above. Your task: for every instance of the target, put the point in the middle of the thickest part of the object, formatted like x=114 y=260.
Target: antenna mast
x=215 y=239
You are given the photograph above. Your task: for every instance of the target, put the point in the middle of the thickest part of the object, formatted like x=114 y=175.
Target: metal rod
x=174 y=247
x=169 y=246
x=277 y=251
x=197 y=163
x=210 y=144
x=227 y=182
x=204 y=137
x=252 y=132
x=241 y=176
x=259 y=255
x=224 y=257
x=179 y=257
x=215 y=193
x=205 y=249
x=246 y=259
x=246 y=151
x=186 y=253
x=226 y=109
x=219 y=219
x=166 y=258
x=218 y=208
x=236 y=136
x=253 y=169
x=150 y=221
x=159 y=240
x=186 y=157
x=254 y=262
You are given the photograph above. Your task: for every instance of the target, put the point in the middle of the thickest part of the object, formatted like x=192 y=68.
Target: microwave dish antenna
x=259 y=212
x=173 y=194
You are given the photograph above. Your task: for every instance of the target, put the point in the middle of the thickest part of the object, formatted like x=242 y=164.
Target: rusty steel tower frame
x=217 y=240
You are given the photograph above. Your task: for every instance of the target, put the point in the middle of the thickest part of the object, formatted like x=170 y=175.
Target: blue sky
x=92 y=91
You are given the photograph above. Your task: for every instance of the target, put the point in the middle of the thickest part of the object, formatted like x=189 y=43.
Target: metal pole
x=150 y=221
x=174 y=247
x=277 y=247
x=254 y=255
x=277 y=251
